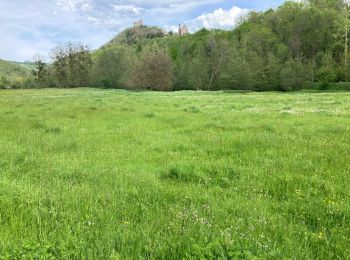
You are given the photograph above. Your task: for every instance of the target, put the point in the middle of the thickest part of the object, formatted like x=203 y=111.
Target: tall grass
x=103 y=174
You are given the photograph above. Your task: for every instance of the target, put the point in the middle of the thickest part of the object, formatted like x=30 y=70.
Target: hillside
x=137 y=34
x=15 y=74
x=11 y=70
x=296 y=46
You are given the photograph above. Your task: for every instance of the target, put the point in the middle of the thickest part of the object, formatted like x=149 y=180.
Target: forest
x=300 y=45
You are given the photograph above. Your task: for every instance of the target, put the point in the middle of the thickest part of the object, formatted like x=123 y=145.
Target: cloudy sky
x=34 y=27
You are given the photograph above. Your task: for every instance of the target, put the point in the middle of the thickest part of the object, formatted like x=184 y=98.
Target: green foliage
x=280 y=49
x=71 y=66
x=153 y=70
x=325 y=76
x=13 y=69
x=40 y=72
x=110 y=67
x=13 y=74
x=4 y=82
x=294 y=75
x=198 y=75
x=113 y=174
x=136 y=35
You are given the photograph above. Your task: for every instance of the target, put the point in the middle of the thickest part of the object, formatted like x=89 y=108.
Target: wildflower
x=320 y=235
x=206 y=206
x=204 y=221
x=195 y=215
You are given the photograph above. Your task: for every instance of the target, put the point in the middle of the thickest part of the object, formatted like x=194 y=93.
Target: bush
x=110 y=67
x=4 y=82
x=325 y=76
x=153 y=71
x=293 y=75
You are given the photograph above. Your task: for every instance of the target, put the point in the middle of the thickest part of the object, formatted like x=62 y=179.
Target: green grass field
x=109 y=174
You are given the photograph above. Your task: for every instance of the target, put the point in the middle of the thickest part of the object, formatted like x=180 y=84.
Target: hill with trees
x=13 y=73
x=136 y=35
x=298 y=45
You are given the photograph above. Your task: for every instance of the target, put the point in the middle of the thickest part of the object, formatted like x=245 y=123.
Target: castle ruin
x=183 y=30
x=138 y=23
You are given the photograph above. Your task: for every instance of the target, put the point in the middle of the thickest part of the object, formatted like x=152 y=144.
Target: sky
x=34 y=27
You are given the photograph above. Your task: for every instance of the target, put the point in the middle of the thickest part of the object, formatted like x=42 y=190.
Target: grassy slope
x=95 y=173
x=13 y=70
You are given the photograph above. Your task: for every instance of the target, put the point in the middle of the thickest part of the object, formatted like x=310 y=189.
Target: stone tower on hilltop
x=183 y=30
x=138 y=23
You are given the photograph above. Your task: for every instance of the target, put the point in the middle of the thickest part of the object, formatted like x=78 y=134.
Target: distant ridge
x=12 y=69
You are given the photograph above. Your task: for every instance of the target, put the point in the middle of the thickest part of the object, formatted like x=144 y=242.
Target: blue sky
x=35 y=27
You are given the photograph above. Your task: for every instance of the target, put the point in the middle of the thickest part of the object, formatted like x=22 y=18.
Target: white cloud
x=127 y=10
x=86 y=7
x=74 y=5
x=220 y=18
x=37 y=26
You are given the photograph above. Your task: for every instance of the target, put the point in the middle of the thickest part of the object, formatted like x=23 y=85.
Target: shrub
x=293 y=75
x=4 y=83
x=325 y=76
x=154 y=70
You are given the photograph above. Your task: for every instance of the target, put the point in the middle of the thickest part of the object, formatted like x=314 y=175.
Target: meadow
x=112 y=174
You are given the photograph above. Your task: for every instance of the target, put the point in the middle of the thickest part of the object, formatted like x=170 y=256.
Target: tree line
x=298 y=45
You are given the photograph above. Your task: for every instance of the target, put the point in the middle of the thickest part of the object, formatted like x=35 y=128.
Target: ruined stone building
x=183 y=30
x=138 y=23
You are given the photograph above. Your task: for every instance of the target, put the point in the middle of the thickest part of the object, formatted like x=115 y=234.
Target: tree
x=71 y=65
x=40 y=70
x=342 y=37
x=199 y=75
x=218 y=59
x=59 y=66
x=4 y=82
x=84 y=62
x=294 y=75
x=109 y=67
x=154 y=70
x=282 y=49
x=327 y=4
x=183 y=73
x=239 y=73
x=325 y=75
x=346 y=25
